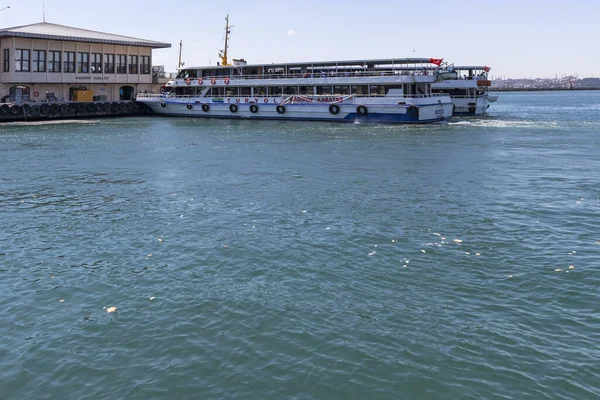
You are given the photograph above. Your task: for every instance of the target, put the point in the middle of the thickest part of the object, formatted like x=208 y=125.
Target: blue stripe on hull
x=350 y=118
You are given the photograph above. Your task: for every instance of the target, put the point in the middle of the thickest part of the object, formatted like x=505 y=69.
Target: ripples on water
x=302 y=260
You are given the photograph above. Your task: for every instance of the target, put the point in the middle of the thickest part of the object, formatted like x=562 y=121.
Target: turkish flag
x=486 y=69
x=436 y=61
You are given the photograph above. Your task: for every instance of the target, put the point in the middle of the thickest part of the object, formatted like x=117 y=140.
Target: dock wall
x=69 y=110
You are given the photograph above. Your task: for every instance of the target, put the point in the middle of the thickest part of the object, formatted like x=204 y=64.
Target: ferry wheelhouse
x=468 y=86
x=383 y=90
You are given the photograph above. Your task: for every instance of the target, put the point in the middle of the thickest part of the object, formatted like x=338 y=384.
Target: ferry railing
x=321 y=75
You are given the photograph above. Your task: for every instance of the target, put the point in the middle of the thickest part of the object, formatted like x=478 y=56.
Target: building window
x=69 y=63
x=53 y=61
x=39 y=61
x=22 y=58
x=96 y=63
x=133 y=64
x=6 y=60
x=144 y=64
x=109 y=63
x=121 y=64
x=83 y=63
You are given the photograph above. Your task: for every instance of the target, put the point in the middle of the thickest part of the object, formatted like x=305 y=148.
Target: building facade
x=47 y=62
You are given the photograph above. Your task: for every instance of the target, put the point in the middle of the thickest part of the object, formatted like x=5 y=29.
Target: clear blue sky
x=526 y=38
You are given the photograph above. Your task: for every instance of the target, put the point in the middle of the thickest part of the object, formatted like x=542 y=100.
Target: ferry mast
x=223 y=53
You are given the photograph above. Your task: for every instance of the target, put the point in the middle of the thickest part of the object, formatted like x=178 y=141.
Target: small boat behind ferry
x=393 y=90
x=468 y=86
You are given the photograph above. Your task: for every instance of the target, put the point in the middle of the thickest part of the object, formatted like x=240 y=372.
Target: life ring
x=188 y=81
x=334 y=109
x=362 y=110
x=412 y=111
x=200 y=82
x=280 y=109
x=253 y=108
x=163 y=105
x=226 y=81
x=233 y=108
x=162 y=89
x=205 y=107
x=213 y=81
x=189 y=106
x=36 y=94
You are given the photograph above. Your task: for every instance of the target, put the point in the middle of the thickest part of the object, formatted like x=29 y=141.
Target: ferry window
x=289 y=90
x=69 y=62
x=260 y=91
x=245 y=91
x=53 y=61
x=306 y=90
x=341 y=90
x=133 y=64
x=39 y=61
x=121 y=64
x=22 y=60
x=377 y=90
x=83 y=62
x=96 y=63
x=145 y=65
x=199 y=91
x=231 y=91
x=208 y=93
x=324 y=90
x=6 y=60
x=183 y=74
x=218 y=91
x=361 y=90
x=275 y=91
x=109 y=63
x=395 y=88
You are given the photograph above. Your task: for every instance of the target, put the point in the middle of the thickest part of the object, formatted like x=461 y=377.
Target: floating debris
x=422 y=251
x=393 y=240
x=404 y=266
x=597 y=242
x=160 y=239
x=558 y=270
x=52 y=277
x=61 y=301
x=327 y=228
x=467 y=253
x=111 y=310
x=571 y=267
x=304 y=211
x=510 y=276
x=457 y=240
x=372 y=253
x=437 y=234
x=225 y=246
x=152 y=298
x=477 y=254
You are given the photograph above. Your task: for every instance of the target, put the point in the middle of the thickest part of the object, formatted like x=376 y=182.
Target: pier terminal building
x=50 y=62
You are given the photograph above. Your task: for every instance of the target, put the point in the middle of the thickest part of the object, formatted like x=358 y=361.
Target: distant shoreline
x=495 y=89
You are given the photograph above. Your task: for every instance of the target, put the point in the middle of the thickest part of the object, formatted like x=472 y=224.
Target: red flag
x=487 y=69
x=436 y=61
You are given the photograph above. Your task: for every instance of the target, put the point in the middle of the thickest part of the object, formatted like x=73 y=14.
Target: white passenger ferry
x=468 y=86
x=385 y=90
x=390 y=90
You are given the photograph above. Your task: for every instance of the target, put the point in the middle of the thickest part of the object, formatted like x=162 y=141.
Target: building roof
x=48 y=31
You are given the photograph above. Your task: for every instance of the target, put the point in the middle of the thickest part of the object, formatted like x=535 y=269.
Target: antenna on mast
x=44 y=11
x=223 y=53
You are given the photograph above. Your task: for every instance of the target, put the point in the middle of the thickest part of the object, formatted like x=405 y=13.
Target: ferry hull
x=307 y=112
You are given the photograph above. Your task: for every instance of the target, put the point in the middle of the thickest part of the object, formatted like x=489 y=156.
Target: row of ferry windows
x=360 y=90
x=69 y=61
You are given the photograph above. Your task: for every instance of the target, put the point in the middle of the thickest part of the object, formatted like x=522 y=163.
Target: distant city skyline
x=517 y=39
